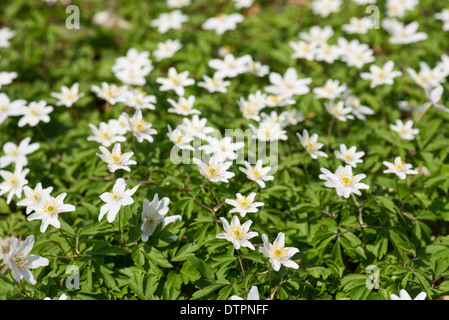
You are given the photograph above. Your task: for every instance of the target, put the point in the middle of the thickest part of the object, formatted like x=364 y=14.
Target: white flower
x=175 y=81
x=405 y=130
x=178 y=3
x=349 y=156
x=331 y=90
x=179 y=138
x=5 y=35
x=444 y=17
x=278 y=253
x=275 y=100
x=239 y=4
x=427 y=76
x=317 y=35
x=338 y=110
x=214 y=170
x=230 y=66
x=153 y=214
x=21 y=261
x=10 y=108
x=404 y=34
x=214 y=84
x=7 y=78
x=303 y=49
x=311 y=144
x=223 y=22
x=357 y=26
x=167 y=49
x=139 y=99
x=269 y=131
x=257 y=68
x=61 y=297
x=292 y=117
x=34 y=196
x=133 y=59
x=35 y=113
x=434 y=95
x=327 y=53
x=183 y=106
x=222 y=149
x=14 y=182
x=378 y=76
x=403 y=295
x=355 y=53
x=357 y=109
x=257 y=173
x=17 y=154
x=325 y=7
x=237 y=234
x=289 y=84
x=68 y=96
x=105 y=134
x=115 y=159
x=133 y=75
x=399 y=167
x=343 y=181
x=250 y=109
x=141 y=129
x=48 y=210
x=196 y=127
x=109 y=92
x=115 y=199
x=252 y=295
x=244 y=204
x=170 y=20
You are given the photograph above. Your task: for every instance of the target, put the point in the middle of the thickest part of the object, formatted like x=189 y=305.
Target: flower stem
x=67 y=240
x=243 y=270
x=122 y=236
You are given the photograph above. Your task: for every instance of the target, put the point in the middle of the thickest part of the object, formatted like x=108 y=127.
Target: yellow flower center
x=244 y=202
x=116 y=158
x=238 y=232
x=279 y=252
x=346 y=178
x=20 y=260
x=213 y=171
x=400 y=165
x=139 y=125
x=50 y=207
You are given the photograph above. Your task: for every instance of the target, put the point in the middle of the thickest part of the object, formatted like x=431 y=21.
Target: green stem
x=122 y=236
x=67 y=240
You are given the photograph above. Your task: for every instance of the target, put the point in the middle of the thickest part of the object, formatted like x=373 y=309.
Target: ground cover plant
x=218 y=150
